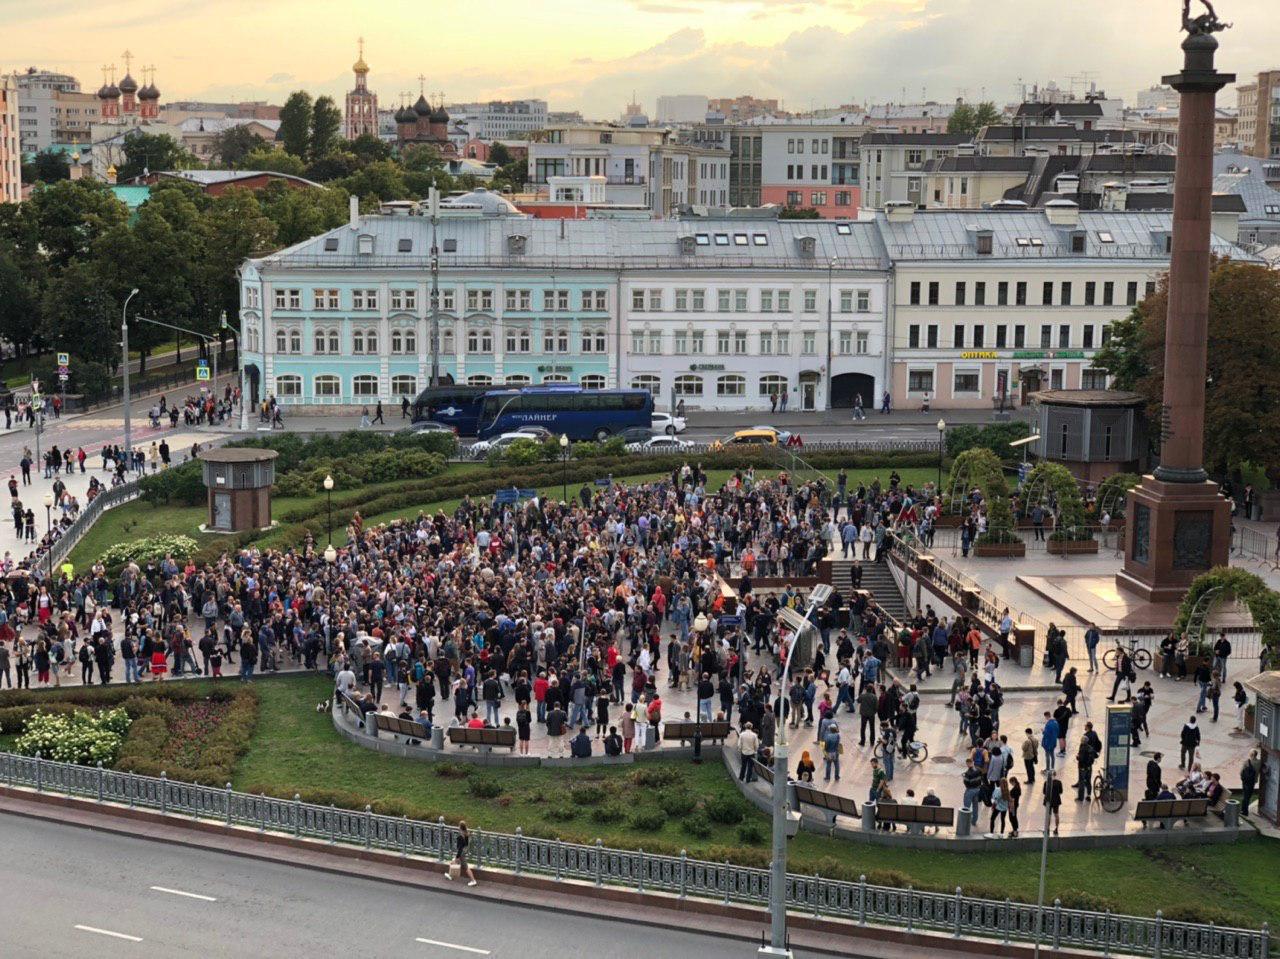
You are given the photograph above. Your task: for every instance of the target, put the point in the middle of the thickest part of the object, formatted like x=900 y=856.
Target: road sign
x=202 y=362
x=64 y=359
x=202 y=372
x=63 y=377
x=64 y=369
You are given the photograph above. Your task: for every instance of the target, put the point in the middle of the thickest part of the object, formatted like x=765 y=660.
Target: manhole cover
x=1147 y=752
x=944 y=760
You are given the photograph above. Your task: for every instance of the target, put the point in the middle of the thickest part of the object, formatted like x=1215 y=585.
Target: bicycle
x=1140 y=657
x=1108 y=796
x=917 y=751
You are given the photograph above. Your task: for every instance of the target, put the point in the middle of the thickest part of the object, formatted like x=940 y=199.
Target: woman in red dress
x=159 y=666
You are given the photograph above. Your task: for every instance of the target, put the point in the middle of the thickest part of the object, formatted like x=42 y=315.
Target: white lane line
x=108 y=932
x=454 y=945
x=179 y=892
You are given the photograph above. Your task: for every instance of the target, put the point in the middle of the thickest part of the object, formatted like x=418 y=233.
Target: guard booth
x=239 y=484
x=1266 y=730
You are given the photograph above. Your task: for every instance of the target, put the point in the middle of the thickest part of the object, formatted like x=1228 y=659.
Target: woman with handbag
x=460 y=867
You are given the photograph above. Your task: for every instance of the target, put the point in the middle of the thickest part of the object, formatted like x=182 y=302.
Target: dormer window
x=807 y=244
x=364 y=244
x=843 y=229
x=702 y=239
x=983 y=244
x=760 y=239
x=1077 y=243
x=722 y=239
x=688 y=244
x=1105 y=236
x=740 y=239
x=331 y=244
x=404 y=245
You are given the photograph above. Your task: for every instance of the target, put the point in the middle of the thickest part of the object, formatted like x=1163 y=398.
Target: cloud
x=278 y=78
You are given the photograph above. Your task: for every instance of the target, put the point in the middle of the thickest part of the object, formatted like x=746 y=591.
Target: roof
x=915 y=139
x=1020 y=132
x=1260 y=201
x=132 y=195
x=214 y=177
x=222 y=124
x=1220 y=203
x=980 y=164
x=949 y=235
x=236 y=454
x=1266 y=685
x=1048 y=110
x=1089 y=398
x=469 y=240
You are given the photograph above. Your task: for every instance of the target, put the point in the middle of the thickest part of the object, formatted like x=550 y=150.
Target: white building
x=53 y=110
x=682 y=108
x=500 y=119
x=893 y=164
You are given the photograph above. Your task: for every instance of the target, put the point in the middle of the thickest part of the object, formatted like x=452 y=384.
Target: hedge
x=1112 y=490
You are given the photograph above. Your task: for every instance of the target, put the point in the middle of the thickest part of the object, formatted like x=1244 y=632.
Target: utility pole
x=124 y=347
x=433 y=202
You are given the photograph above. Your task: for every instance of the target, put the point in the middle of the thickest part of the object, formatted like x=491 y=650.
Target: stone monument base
x=1099 y=600
x=1173 y=533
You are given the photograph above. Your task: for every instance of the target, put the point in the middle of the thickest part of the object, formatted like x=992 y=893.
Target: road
x=80 y=894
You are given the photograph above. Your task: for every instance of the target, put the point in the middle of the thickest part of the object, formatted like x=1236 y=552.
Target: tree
x=295 y=123
x=71 y=215
x=232 y=230
x=334 y=165
x=152 y=152
x=1243 y=373
x=798 y=213
x=967 y=120
x=326 y=121
x=273 y=159
x=369 y=149
x=18 y=302
x=79 y=312
x=1124 y=357
x=421 y=158
x=499 y=155
x=232 y=145
x=301 y=214
x=48 y=167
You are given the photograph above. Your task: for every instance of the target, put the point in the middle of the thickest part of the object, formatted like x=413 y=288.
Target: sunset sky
x=591 y=54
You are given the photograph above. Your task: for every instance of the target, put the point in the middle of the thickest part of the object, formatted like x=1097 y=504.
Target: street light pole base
x=769 y=952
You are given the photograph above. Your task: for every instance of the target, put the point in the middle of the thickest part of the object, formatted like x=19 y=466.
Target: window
x=979 y=293
x=739 y=301
x=1108 y=293
x=702 y=239
x=646 y=381
x=595 y=301
x=404 y=384
x=288 y=384
x=697 y=342
x=364 y=299
x=1046 y=336
x=479 y=339
x=931 y=336
x=723 y=298
x=740 y=239
x=919 y=381
x=479 y=379
x=784 y=344
x=1106 y=334
x=740 y=342
x=1002 y=293
x=519 y=339
x=655 y=301
x=722 y=341
x=1077 y=243
x=520 y=300
x=1151 y=288
x=1020 y=293
x=364 y=340
x=1064 y=336
x=1093 y=380
x=681 y=342
x=327 y=341
x=772 y=383
x=864 y=301
x=820 y=198
x=722 y=239
x=404 y=340
x=809 y=343
x=555 y=378
x=979 y=336
x=1002 y=336
x=731 y=385
x=913 y=336
x=844 y=198
x=447 y=300
x=1046 y=296
x=1019 y=336
x=845 y=342
x=966 y=381
x=687 y=384
x=518 y=379
x=766 y=343
x=698 y=300
x=766 y=301
x=863 y=341
x=325 y=300
x=479 y=301
x=562 y=341
x=811 y=301
x=637 y=342
x=957 y=336
x=1090 y=292
x=1131 y=294
x=784 y=301
x=1087 y=340
x=1105 y=237
x=795 y=198
x=404 y=299
x=682 y=301
x=846 y=301
x=446 y=338
x=1066 y=294
x=327 y=385
x=983 y=243
x=637 y=301
x=404 y=245
x=366 y=384
x=933 y=293
x=594 y=340
x=592 y=381
x=288 y=299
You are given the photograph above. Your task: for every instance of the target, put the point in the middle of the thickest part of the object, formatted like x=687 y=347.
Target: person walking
x=460 y=864
x=748 y=746
x=377 y=414
x=1189 y=740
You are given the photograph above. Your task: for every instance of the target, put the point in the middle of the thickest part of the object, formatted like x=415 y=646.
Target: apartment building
x=10 y=150
x=53 y=110
x=893 y=164
x=500 y=119
x=1258 y=108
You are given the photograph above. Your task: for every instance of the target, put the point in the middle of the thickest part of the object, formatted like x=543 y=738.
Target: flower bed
x=79 y=737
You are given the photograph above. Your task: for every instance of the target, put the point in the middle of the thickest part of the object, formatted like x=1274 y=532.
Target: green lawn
x=295 y=748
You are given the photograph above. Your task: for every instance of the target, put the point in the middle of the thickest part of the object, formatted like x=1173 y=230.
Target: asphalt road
x=77 y=894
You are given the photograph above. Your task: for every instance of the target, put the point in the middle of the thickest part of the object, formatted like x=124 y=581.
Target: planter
x=1000 y=550
x=1067 y=547
x=1195 y=662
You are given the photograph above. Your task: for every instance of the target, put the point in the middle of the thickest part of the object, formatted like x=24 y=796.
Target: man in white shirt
x=748 y=746
x=346 y=681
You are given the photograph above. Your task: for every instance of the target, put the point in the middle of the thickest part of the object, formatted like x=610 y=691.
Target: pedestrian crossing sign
x=202 y=372
x=64 y=359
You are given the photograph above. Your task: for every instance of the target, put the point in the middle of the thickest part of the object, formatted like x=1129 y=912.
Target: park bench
x=830 y=804
x=407 y=728
x=762 y=771
x=915 y=817
x=482 y=739
x=348 y=705
x=1168 y=811
x=684 y=730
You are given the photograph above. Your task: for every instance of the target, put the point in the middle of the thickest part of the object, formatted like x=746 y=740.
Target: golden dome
x=360 y=66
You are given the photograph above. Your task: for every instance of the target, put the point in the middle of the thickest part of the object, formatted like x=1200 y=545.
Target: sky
x=593 y=55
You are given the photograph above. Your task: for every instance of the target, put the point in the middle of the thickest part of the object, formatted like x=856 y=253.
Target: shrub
x=563 y=812
x=677 y=801
x=295 y=484
x=655 y=776
x=995 y=437
x=169 y=737
x=484 y=787
x=79 y=737
x=451 y=770
x=149 y=549
x=183 y=485
x=647 y=820
x=590 y=795
x=608 y=815
x=1204 y=913
x=1077 y=899
x=697 y=825
x=749 y=834
x=727 y=810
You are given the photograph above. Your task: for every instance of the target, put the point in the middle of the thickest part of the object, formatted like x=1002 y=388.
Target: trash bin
x=437 y=737
x=964 y=821
x=1026 y=655
x=1231 y=814
x=869 y=816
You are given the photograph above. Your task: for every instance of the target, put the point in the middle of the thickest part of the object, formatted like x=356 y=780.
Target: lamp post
x=48 y=528
x=330 y=554
x=328 y=489
x=564 y=467
x=124 y=348
x=700 y=625
x=942 y=434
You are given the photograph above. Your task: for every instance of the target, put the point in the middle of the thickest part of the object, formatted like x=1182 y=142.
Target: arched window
x=731 y=384
x=446 y=339
x=404 y=340
x=366 y=384
x=593 y=340
x=773 y=383
x=687 y=384
x=592 y=381
x=479 y=379
x=295 y=340
x=327 y=385
x=555 y=378
x=282 y=340
x=357 y=340
x=288 y=385
x=479 y=339
x=646 y=381
x=404 y=384
x=518 y=379
x=410 y=340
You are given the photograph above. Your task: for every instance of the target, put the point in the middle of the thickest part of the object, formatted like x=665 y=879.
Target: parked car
x=539 y=433
x=634 y=435
x=666 y=423
x=429 y=426
x=483 y=448
x=660 y=444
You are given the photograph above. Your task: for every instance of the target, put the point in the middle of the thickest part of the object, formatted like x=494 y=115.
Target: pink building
x=833 y=202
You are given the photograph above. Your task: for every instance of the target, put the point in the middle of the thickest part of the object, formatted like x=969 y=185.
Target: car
x=539 y=433
x=429 y=426
x=483 y=448
x=634 y=435
x=666 y=423
x=659 y=444
x=753 y=437
x=782 y=435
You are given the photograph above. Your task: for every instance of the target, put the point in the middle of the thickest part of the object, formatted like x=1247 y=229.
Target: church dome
x=360 y=66
x=104 y=92
x=406 y=115
x=438 y=115
x=422 y=108
x=149 y=92
x=128 y=84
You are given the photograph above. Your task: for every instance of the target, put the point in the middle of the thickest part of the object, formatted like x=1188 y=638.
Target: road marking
x=108 y=932
x=453 y=945
x=179 y=892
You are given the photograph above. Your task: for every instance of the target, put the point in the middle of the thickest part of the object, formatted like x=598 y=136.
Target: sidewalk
x=800 y=419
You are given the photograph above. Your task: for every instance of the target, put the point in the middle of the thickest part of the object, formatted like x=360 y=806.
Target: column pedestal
x=1173 y=533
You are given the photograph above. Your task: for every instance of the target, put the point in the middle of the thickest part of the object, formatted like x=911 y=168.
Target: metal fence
x=108 y=498
x=955 y=914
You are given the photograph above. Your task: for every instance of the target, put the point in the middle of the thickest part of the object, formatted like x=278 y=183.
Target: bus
x=572 y=411
x=453 y=405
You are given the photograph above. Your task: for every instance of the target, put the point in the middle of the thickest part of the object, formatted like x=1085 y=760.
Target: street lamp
x=942 y=434
x=700 y=625
x=48 y=525
x=328 y=488
x=330 y=554
x=124 y=348
x=564 y=470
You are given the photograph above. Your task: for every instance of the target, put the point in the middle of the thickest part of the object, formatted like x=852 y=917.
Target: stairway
x=876 y=578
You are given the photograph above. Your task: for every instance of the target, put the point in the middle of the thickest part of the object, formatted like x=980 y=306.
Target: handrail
x=953 y=913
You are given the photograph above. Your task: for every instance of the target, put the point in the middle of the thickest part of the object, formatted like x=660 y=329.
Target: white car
x=666 y=423
x=482 y=449
x=659 y=444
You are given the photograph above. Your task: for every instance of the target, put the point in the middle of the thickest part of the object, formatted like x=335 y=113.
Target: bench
x=482 y=739
x=348 y=705
x=1169 y=811
x=684 y=731
x=401 y=727
x=915 y=817
x=830 y=804
x=763 y=772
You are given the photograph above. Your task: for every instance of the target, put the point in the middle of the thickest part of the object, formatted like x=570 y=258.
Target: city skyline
x=903 y=50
